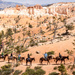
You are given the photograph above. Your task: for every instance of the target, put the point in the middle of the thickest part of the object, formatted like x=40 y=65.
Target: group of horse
x=56 y=59
x=16 y=58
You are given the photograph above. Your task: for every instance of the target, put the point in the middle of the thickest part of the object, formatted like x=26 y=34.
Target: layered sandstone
x=36 y=10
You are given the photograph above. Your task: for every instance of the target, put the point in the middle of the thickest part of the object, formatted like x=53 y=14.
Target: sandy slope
x=57 y=47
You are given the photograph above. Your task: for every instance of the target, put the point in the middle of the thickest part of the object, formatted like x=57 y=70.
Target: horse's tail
x=54 y=59
x=24 y=58
x=40 y=60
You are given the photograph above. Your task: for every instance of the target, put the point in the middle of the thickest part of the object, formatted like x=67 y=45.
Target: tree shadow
x=62 y=63
x=41 y=64
x=2 y=61
x=28 y=65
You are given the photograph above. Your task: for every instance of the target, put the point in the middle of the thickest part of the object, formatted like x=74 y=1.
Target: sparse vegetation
x=43 y=41
x=69 y=27
x=73 y=72
x=54 y=73
x=50 y=53
x=55 y=68
x=62 y=69
x=30 y=25
x=6 y=70
x=32 y=43
x=36 y=71
x=17 y=72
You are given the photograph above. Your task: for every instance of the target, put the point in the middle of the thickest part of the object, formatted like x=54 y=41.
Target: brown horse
x=3 y=57
x=21 y=59
x=43 y=59
x=30 y=60
x=13 y=58
x=61 y=59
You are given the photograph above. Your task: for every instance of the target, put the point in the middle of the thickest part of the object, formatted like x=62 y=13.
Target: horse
x=30 y=60
x=43 y=59
x=61 y=59
x=13 y=58
x=3 y=57
x=21 y=59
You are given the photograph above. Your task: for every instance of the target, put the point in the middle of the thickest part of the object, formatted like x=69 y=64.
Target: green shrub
x=32 y=43
x=50 y=53
x=0 y=72
x=30 y=26
x=62 y=69
x=24 y=51
x=42 y=32
x=16 y=65
x=72 y=67
x=36 y=71
x=24 y=29
x=37 y=67
x=30 y=71
x=55 y=68
x=69 y=66
x=25 y=73
x=53 y=73
x=17 y=72
x=0 y=41
x=40 y=72
x=73 y=72
x=28 y=33
x=42 y=41
x=6 y=70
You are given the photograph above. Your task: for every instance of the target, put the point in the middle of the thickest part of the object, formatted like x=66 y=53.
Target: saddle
x=45 y=58
x=60 y=58
x=28 y=59
x=2 y=56
x=10 y=57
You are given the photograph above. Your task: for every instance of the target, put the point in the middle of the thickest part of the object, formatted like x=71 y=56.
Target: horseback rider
x=45 y=55
x=19 y=56
x=28 y=56
x=60 y=55
x=11 y=55
x=2 y=54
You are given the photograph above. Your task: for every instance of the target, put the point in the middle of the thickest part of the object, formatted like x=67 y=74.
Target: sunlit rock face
x=37 y=10
x=38 y=6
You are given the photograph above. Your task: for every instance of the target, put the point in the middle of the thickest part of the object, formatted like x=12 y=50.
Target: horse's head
x=6 y=55
x=68 y=57
x=15 y=58
x=34 y=59
x=50 y=57
x=24 y=58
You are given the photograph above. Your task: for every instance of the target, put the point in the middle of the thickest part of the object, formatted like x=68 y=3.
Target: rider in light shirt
x=45 y=55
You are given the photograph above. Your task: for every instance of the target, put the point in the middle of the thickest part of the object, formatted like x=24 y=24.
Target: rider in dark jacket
x=11 y=55
x=28 y=56
x=60 y=55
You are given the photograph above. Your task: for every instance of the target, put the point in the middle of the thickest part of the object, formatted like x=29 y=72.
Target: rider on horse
x=60 y=55
x=11 y=55
x=28 y=56
x=45 y=55
x=2 y=54
x=19 y=57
